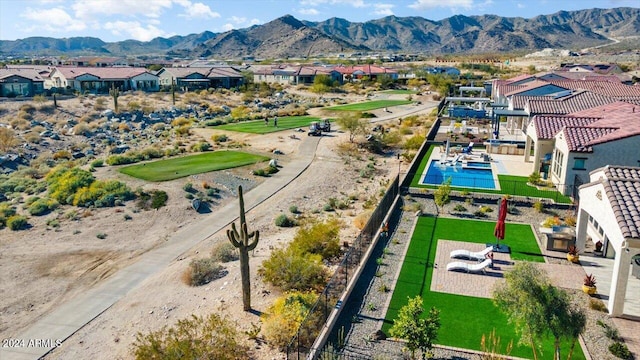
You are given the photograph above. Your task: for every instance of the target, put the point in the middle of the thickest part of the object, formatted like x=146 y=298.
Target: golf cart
x=325 y=125
x=314 y=129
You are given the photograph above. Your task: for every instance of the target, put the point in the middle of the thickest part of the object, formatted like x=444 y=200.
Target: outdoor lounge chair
x=467 y=267
x=471 y=255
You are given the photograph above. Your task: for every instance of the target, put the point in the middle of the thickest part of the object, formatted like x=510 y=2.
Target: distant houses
x=20 y=82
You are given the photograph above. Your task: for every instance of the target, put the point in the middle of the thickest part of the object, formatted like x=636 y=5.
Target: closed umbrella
x=498 y=232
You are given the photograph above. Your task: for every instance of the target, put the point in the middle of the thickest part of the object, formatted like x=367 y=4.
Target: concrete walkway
x=66 y=319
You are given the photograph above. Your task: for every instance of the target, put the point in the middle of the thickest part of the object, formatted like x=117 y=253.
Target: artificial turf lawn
x=464 y=319
x=369 y=105
x=259 y=127
x=509 y=184
x=179 y=167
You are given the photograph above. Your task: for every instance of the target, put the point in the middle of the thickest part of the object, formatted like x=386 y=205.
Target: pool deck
x=501 y=164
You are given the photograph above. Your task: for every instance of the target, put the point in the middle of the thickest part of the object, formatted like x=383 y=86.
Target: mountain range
x=289 y=37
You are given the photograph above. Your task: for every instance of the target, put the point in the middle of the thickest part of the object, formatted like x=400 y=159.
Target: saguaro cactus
x=245 y=242
x=173 y=92
x=55 y=101
x=115 y=93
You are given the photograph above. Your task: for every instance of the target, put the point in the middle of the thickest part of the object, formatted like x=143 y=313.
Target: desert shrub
x=62 y=154
x=414 y=142
x=294 y=209
x=17 y=222
x=219 y=138
x=100 y=104
x=202 y=271
x=188 y=187
x=32 y=138
x=119 y=160
x=513 y=210
x=65 y=182
x=213 y=337
x=42 y=206
x=283 y=318
x=97 y=163
x=620 y=350
x=82 y=129
x=361 y=219
x=7 y=210
x=201 y=146
x=154 y=199
x=320 y=238
x=224 y=252
x=101 y=235
x=289 y=270
x=283 y=220
x=486 y=209
x=480 y=214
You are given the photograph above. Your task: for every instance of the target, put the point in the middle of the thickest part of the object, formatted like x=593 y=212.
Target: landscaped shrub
x=597 y=304
x=219 y=138
x=284 y=221
x=318 y=238
x=460 y=208
x=17 y=222
x=290 y=270
x=65 y=182
x=224 y=252
x=283 y=318
x=620 y=350
x=294 y=209
x=188 y=187
x=213 y=337
x=538 y=206
x=202 y=271
x=97 y=163
x=266 y=171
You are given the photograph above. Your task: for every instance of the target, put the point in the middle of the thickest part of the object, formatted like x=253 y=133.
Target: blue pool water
x=461 y=177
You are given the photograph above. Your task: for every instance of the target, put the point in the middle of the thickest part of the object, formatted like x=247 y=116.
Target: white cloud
x=521 y=5
x=134 y=30
x=54 y=20
x=453 y=4
x=238 y=19
x=94 y=9
x=354 y=3
x=236 y=22
x=197 y=11
x=254 y=21
x=383 y=9
x=227 y=27
x=310 y=11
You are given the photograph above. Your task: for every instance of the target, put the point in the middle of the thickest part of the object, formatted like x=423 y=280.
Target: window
x=578 y=164
x=558 y=159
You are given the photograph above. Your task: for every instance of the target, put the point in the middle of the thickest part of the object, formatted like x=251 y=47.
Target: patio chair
x=471 y=255
x=467 y=267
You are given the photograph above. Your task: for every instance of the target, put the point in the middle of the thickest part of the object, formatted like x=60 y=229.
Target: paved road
x=69 y=317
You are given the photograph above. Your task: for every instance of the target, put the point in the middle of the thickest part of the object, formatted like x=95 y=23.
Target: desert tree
x=352 y=123
x=419 y=332
x=245 y=241
x=442 y=195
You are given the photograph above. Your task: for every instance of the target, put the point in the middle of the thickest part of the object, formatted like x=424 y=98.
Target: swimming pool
x=477 y=176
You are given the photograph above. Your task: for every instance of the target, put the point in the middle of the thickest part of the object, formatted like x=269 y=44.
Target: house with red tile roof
x=568 y=147
x=359 y=72
x=609 y=213
x=100 y=80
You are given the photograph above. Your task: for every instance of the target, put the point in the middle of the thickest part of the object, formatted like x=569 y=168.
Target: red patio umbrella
x=498 y=232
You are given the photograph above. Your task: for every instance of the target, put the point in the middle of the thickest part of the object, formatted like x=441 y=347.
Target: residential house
x=100 y=80
x=359 y=72
x=20 y=82
x=294 y=75
x=198 y=78
x=609 y=213
x=569 y=147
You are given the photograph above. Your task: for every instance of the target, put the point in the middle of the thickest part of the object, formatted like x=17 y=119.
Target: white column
x=527 y=149
x=581 y=228
x=619 y=282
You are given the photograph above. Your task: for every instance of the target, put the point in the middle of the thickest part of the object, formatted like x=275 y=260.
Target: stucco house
x=609 y=212
x=20 y=82
x=568 y=147
x=100 y=80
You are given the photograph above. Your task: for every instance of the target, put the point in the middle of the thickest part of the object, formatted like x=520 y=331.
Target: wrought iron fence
x=302 y=342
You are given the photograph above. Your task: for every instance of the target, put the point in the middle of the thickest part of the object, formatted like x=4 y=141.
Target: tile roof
x=622 y=186
x=518 y=78
x=582 y=138
x=578 y=101
x=618 y=91
x=516 y=89
x=548 y=126
x=31 y=74
x=71 y=72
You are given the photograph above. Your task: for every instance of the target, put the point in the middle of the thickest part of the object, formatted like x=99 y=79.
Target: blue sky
x=116 y=20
